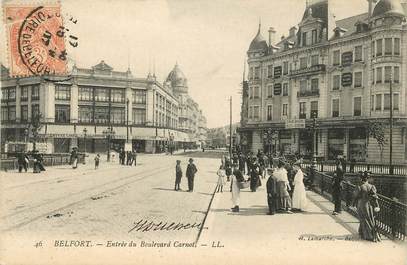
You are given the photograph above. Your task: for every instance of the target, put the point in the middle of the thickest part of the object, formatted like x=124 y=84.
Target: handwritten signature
x=146 y=226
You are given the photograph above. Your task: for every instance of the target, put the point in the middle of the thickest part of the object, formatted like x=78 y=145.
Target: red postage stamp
x=36 y=44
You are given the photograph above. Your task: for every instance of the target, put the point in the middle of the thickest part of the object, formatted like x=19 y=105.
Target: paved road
x=105 y=203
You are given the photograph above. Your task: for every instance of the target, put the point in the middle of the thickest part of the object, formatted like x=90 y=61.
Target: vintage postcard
x=203 y=132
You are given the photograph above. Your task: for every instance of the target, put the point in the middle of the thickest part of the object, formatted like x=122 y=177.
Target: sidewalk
x=252 y=235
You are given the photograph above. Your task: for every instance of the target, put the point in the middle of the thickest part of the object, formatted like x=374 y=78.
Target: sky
x=208 y=38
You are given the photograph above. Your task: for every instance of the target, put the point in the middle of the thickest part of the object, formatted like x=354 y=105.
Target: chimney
x=272 y=34
x=293 y=31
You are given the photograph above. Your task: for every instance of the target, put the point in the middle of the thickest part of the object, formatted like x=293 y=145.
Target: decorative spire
x=258 y=32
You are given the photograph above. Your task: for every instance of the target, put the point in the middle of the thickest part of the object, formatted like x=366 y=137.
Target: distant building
x=337 y=72
x=80 y=107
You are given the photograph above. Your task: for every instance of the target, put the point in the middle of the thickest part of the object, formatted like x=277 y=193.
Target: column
x=346 y=143
x=323 y=143
x=129 y=97
x=150 y=107
x=47 y=101
x=74 y=112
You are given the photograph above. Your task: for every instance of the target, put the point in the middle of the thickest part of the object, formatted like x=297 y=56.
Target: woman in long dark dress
x=367 y=204
x=254 y=176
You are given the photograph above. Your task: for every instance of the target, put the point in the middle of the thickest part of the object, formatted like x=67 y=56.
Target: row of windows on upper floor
x=391 y=47
x=9 y=94
x=379 y=102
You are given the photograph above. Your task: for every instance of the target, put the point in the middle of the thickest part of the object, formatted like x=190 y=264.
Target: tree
x=36 y=125
x=376 y=130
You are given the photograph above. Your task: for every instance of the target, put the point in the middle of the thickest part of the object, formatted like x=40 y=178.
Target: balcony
x=308 y=93
x=315 y=69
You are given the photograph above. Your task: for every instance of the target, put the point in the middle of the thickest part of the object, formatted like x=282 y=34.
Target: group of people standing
x=128 y=158
x=190 y=174
x=23 y=161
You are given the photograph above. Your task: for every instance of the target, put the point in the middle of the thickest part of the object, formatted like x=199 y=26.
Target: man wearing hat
x=191 y=171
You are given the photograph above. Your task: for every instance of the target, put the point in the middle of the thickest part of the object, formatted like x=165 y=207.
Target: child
x=97 y=159
x=221 y=178
x=178 y=175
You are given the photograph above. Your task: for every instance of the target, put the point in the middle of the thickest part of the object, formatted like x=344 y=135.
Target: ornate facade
x=321 y=87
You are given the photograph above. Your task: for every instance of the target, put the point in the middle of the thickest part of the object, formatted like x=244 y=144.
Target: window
x=62 y=92
x=336 y=82
x=35 y=92
x=139 y=97
x=257 y=72
x=35 y=111
x=251 y=73
x=117 y=115
x=314 y=36
x=24 y=113
x=101 y=94
x=24 y=93
x=379 y=47
x=304 y=39
x=101 y=115
x=372 y=102
x=139 y=116
x=269 y=91
x=336 y=57
x=285 y=68
x=62 y=113
x=358 y=79
x=285 y=109
x=335 y=107
x=358 y=53
x=396 y=76
x=395 y=101
x=256 y=110
x=85 y=93
x=314 y=84
x=256 y=92
x=303 y=85
x=378 y=75
x=303 y=62
x=379 y=102
x=387 y=74
x=118 y=95
x=388 y=46
x=396 y=46
x=85 y=114
x=269 y=71
x=285 y=89
x=4 y=114
x=12 y=113
x=303 y=110
x=314 y=109
x=269 y=112
x=357 y=106
x=314 y=60
x=386 y=103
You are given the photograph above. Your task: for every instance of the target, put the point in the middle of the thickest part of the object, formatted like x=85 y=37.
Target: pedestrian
x=242 y=163
x=254 y=176
x=191 y=171
x=74 y=158
x=22 y=162
x=178 y=175
x=236 y=177
x=283 y=186
x=123 y=156
x=337 y=189
x=38 y=159
x=271 y=186
x=221 y=178
x=135 y=157
x=299 y=198
x=366 y=201
x=228 y=168
x=129 y=160
x=97 y=160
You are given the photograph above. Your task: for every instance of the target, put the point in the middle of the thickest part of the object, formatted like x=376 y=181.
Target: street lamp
x=109 y=133
x=391 y=126
x=127 y=120
x=84 y=140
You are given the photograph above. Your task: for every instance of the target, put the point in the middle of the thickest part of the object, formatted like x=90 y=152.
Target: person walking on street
x=134 y=154
x=283 y=186
x=74 y=158
x=242 y=163
x=271 y=186
x=366 y=201
x=97 y=160
x=22 y=161
x=337 y=188
x=221 y=178
x=254 y=176
x=178 y=175
x=299 y=195
x=236 y=177
x=191 y=171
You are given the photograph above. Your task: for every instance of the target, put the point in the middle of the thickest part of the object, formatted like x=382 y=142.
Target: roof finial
x=259 y=24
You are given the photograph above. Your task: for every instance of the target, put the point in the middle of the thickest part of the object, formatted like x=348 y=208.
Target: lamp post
x=84 y=140
x=127 y=120
x=391 y=127
x=108 y=132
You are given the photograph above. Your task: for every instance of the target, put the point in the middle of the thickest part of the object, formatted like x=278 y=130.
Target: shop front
x=336 y=143
x=358 y=144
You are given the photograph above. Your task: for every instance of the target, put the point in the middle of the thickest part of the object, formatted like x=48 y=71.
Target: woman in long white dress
x=299 y=196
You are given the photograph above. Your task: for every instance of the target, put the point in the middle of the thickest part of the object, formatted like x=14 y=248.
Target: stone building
x=78 y=109
x=322 y=86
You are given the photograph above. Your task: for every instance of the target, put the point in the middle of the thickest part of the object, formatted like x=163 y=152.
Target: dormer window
x=339 y=32
x=304 y=39
x=314 y=36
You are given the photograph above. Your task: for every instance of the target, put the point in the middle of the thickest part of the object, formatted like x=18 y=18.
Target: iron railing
x=11 y=163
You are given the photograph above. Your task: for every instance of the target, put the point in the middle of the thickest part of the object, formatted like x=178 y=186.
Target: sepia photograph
x=203 y=132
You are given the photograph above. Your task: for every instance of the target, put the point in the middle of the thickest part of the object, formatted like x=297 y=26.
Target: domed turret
x=177 y=80
x=258 y=44
x=388 y=7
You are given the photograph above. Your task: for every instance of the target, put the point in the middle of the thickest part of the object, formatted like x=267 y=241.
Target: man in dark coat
x=242 y=163
x=272 y=194
x=191 y=171
x=337 y=189
x=22 y=162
